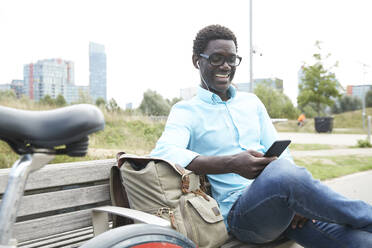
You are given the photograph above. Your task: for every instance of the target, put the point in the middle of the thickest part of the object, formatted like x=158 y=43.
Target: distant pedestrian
x=301 y=120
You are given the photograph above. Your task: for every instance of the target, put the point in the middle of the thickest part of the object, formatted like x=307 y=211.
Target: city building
x=359 y=91
x=18 y=87
x=275 y=83
x=48 y=77
x=76 y=93
x=4 y=87
x=188 y=93
x=97 y=71
x=129 y=106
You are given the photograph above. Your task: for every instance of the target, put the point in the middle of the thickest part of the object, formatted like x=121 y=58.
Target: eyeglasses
x=217 y=59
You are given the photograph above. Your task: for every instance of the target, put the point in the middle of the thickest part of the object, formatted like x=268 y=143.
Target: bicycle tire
x=140 y=236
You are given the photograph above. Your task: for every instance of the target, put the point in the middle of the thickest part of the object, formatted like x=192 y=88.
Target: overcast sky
x=149 y=43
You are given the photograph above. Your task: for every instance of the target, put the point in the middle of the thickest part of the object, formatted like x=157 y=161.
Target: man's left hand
x=299 y=221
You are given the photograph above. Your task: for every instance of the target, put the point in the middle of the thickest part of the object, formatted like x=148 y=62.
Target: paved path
x=323 y=138
x=355 y=186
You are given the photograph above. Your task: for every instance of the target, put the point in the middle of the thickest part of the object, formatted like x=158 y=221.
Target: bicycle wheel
x=140 y=236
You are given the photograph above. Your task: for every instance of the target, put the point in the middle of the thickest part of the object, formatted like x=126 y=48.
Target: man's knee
x=284 y=172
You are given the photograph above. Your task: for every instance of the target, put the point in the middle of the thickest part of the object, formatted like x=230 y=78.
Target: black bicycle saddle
x=61 y=131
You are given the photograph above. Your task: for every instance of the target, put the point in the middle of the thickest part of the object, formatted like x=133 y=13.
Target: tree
x=113 y=106
x=278 y=105
x=6 y=95
x=100 y=101
x=47 y=100
x=154 y=104
x=308 y=110
x=84 y=97
x=347 y=103
x=173 y=101
x=369 y=99
x=319 y=84
x=60 y=101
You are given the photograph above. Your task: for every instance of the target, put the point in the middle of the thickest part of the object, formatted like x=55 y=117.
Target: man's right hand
x=249 y=164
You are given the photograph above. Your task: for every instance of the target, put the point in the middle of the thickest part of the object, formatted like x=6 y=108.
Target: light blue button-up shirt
x=206 y=125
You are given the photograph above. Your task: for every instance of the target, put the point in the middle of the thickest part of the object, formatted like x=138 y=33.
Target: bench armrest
x=101 y=224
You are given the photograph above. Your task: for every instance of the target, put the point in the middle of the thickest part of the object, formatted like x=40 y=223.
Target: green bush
x=364 y=143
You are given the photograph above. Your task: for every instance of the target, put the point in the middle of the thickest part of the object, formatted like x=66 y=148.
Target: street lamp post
x=364 y=65
x=250 y=49
x=364 y=107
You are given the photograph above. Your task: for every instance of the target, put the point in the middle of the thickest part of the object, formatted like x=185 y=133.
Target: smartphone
x=277 y=148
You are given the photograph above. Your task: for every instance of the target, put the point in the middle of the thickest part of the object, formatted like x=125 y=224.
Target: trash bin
x=323 y=124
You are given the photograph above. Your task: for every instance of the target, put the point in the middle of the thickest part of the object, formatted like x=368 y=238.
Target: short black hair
x=212 y=32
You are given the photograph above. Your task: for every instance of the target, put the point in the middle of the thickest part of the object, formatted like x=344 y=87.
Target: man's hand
x=299 y=221
x=249 y=164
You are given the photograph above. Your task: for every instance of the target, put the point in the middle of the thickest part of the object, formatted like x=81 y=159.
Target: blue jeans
x=265 y=210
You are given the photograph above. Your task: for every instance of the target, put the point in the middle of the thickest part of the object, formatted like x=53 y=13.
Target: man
x=224 y=133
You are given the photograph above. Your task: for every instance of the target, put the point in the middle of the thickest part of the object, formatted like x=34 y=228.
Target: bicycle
x=38 y=136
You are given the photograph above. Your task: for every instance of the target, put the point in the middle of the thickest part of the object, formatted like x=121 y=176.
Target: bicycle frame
x=10 y=203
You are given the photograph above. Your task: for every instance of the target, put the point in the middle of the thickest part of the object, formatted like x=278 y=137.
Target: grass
x=351 y=120
x=348 y=122
x=8 y=157
x=129 y=135
x=308 y=147
x=330 y=167
x=291 y=126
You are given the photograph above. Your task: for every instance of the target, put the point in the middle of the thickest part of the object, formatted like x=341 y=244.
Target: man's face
x=218 y=78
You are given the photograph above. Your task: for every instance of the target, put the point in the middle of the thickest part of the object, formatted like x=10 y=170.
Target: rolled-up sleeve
x=173 y=143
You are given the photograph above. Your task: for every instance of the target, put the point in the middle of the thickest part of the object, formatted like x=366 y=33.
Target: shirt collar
x=212 y=98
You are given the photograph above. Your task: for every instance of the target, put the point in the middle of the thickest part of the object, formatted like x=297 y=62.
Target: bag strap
x=118 y=196
x=142 y=161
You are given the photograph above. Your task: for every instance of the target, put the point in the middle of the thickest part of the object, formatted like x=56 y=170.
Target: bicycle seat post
x=14 y=192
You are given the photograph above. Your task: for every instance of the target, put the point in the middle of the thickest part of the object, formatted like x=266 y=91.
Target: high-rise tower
x=97 y=71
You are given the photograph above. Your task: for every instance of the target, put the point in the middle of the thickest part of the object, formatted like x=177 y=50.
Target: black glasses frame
x=207 y=57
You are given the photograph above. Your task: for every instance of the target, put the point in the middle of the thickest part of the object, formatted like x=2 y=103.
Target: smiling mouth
x=222 y=75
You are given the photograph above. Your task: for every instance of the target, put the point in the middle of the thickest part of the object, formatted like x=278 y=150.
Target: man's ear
x=195 y=61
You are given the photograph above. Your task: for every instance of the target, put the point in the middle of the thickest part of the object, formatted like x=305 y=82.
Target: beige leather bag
x=159 y=187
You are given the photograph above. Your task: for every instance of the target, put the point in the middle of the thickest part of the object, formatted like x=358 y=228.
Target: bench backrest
x=58 y=198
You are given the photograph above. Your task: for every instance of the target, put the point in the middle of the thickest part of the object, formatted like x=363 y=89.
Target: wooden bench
x=56 y=209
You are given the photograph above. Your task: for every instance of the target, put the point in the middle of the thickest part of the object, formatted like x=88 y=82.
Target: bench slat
x=39 y=203
x=54 y=175
x=38 y=228
x=80 y=235
x=70 y=242
x=56 y=236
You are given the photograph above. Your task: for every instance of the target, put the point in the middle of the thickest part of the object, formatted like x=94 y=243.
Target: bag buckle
x=170 y=213
x=185 y=183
